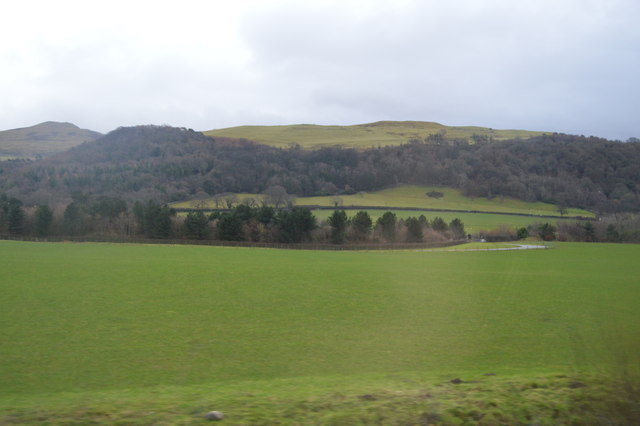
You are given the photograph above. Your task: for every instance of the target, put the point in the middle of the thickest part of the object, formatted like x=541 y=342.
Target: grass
x=377 y=134
x=154 y=333
x=473 y=222
x=414 y=196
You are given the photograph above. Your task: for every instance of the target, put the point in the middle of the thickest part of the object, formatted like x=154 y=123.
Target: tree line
x=170 y=164
x=112 y=217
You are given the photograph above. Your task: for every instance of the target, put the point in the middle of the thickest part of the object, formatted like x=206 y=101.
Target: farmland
x=473 y=222
x=370 y=135
x=162 y=332
x=410 y=197
x=413 y=196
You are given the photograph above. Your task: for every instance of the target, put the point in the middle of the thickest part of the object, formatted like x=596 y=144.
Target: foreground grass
x=371 y=135
x=356 y=400
x=146 y=334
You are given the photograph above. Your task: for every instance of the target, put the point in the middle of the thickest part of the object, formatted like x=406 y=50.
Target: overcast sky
x=570 y=66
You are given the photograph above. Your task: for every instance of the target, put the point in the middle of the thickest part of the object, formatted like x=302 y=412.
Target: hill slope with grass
x=43 y=139
x=381 y=133
x=406 y=197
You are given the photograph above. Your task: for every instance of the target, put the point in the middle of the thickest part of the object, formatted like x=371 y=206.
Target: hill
x=43 y=139
x=381 y=133
x=172 y=164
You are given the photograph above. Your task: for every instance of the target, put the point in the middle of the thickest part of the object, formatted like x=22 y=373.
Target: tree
x=15 y=218
x=612 y=233
x=277 y=196
x=108 y=207
x=6 y=203
x=522 y=233
x=338 y=222
x=590 y=232
x=547 y=232
x=196 y=225
x=43 y=220
x=72 y=219
x=457 y=229
x=387 y=225
x=562 y=208
x=295 y=224
x=154 y=219
x=265 y=214
x=361 y=224
x=230 y=227
x=414 y=230
x=438 y=224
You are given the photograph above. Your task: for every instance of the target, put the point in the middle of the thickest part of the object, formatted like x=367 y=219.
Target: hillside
x=382 y=133
x=406 y=197
x=43 y=139
x=172 y=164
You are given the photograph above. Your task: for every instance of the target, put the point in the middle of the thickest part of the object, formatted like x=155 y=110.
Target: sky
x=569 y=66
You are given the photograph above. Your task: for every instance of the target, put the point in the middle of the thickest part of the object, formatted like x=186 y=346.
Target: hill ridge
x=43 y=139
x=366 y=135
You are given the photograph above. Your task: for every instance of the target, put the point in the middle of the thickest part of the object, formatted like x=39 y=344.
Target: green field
x=414 y=196
x=377 y=134
x=473 y=222
x=161 y=334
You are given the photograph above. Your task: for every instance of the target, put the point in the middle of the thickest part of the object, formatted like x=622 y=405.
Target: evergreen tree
x=387 y=224
x=361 y=224
x=414 y=230
x=196 y=225
x=438 y=224
x=295 y=224
x=72 y=219
x=15 y=219
x=338 y=221
x=43 y=220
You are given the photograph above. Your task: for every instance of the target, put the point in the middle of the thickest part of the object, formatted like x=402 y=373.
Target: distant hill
x=43 y=139
x=170 y=164
x=381 y=133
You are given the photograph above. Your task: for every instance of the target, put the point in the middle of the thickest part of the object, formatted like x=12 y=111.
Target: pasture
x=473 y=222
x=412 y=196
x=372 y=135
x=160 y=333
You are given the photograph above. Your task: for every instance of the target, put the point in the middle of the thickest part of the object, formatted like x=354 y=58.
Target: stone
x=214 y=415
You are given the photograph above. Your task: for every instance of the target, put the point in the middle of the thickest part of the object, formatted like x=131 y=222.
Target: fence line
x=285 y=246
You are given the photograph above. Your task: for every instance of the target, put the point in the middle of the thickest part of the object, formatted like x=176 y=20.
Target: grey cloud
x=568 y=66
x=505 y=64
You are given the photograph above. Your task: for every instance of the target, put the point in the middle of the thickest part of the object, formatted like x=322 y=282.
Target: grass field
x=161 y=334
x=473 y=222
x=414 y=196
x=381 y=133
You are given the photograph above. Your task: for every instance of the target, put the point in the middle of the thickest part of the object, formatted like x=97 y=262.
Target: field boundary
x=423 y=209
x=219 y=243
